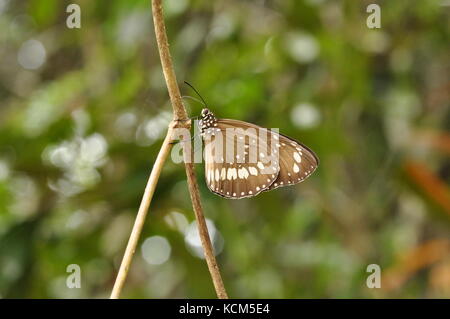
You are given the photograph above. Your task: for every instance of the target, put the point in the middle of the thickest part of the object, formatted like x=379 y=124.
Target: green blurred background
x=83 y=113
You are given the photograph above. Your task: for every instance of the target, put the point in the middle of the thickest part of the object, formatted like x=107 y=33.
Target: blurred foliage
x=83 y=113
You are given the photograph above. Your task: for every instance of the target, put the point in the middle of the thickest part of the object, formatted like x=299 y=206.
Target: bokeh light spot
x=156 y=250
x=31 y=55
x=305 y=115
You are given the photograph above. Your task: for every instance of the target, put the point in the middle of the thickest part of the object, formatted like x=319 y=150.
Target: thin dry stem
x=142 y=213
x=181 y=116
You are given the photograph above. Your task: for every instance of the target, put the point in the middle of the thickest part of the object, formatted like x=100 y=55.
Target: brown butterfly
x=243 y=159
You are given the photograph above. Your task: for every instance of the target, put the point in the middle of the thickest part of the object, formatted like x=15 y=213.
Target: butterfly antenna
x=204 y=102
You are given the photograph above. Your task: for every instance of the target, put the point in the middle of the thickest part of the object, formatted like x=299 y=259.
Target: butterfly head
x=207 y=120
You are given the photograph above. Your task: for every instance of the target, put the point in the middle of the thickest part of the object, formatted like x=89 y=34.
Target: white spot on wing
x=234 y=173
x=253 y=170
x=229 y=174
x=243 y=173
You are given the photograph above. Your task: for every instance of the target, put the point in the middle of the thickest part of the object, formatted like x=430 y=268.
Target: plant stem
x=142 y=213
x=180 y=120
x=180 y=115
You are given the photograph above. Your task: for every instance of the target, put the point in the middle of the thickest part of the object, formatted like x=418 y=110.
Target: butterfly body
x=243 y=159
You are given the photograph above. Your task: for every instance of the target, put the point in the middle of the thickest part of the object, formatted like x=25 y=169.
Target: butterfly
x=243 y=159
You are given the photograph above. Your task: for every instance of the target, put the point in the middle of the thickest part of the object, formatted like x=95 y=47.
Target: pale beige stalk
x=142 y=213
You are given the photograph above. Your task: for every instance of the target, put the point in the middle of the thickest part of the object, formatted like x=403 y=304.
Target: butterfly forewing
x=239 y=159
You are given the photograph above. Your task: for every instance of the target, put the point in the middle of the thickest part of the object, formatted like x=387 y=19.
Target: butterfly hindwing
x=297 y=162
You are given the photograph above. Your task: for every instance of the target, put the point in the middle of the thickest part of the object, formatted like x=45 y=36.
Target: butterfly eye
x=205 y=112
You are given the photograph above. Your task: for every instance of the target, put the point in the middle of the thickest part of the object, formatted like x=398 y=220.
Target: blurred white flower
x=31 y=55
x=131 y=29
x=47 y=104
x=191 y=35
x=26 y=196
x=3 y=5
x=79 y=159
x=125 y=125
x=125 y=120
x=77 y=219
x=4 y=170
x=149 y=131
x=302 y=47
x=93 y=150
x=305 y=115
x=223 y=25
x=156 y=250
x=175 y=7
x=177 y=221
